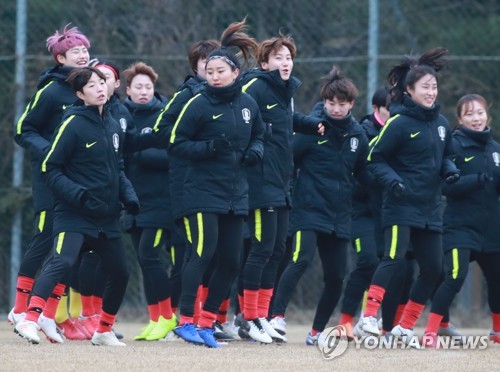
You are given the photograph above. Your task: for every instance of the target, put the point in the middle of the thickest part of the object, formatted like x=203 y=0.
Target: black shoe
x=219 y=332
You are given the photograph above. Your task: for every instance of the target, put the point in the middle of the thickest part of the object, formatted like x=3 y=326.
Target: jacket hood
x=58 y=72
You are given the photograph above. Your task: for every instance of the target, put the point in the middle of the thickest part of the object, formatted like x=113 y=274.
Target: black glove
x=397 y=189
x=250 y=158
x=451 y=177
x=221 y=146
x=132 y=207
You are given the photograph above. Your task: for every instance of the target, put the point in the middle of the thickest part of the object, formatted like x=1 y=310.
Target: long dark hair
x=235 y=36
x=412 y=68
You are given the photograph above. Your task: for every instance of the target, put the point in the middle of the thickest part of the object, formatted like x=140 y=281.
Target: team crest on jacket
x=496 y=159
x=442 y=132
x=116 y=141
x=246 y=115
x=354 y=144
x=123 y=124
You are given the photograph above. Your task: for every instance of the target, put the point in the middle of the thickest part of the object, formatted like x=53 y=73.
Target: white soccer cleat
x=15 y=318
x=49 y=327
x=279 y=324
x=369 y=324
x=405 y=335
x=106 y=339
x=271 y=331
x=256 y=332
x=358 y=329
x=231 y=329
x=28 y=330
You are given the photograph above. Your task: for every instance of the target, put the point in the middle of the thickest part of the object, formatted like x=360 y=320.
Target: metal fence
x=364 y=38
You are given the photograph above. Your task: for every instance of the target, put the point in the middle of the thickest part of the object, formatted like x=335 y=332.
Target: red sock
x=97 y=304
x=165 y=308
x=346 y=318
x=433 y=323
x=154 y=312
x=207 y=319
x=35 y=308
x=374 y=299
x=53 y=301
x=222 y=315
x=23 y=290
x=251 y=300
x=203 y=297
x=411 y=314
x=185 y=320
x=241 y=302
x=314 y=332
x=87 y=306
x=444 y=324
x=264 y=301
x=399 y=314
x=496 y=321
x=106 y=322
x=197 y=307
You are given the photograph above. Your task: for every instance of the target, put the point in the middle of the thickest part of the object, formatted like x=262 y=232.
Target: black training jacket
x=413 y=148
x=472 y=203
x=322 y=194
x=163 y=128
x=269 y=181
x=366 y=199
x=217 y=183
x=37 y=124
x=148 y=169
x=85 y=157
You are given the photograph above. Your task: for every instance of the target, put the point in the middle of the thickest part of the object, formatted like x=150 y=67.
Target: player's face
x=382 y=113
x=200 y=68
x=111 y=81
x=141 y=89
x=474 y=116
x=94 y=93
x=336 y=108
x=219 y=73
x=280 y=60
x=424 y=92
x=75 y=57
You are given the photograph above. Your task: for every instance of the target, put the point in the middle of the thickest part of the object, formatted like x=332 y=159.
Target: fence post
x=17 y=160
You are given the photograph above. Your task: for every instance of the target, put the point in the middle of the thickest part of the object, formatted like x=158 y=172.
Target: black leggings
x=66 y=249
x=269 y=227
x=149 y=243
x=209 y=232
x=39 y=246
x=176 y=246
x=457 y=267
x=427 y=249
x=333 y=255
x=91 y=275
x=359 y=280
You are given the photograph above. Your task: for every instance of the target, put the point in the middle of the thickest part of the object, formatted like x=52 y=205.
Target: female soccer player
x=410 y=159
x=470 y=217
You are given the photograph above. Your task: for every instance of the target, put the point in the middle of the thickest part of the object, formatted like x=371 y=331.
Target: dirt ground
x=17 y=355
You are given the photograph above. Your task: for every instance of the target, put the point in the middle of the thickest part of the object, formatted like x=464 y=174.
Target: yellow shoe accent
x=62 y=310
x=145 y=331
x=163 y=327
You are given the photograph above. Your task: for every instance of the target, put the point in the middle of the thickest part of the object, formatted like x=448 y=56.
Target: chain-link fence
x=363 y=42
